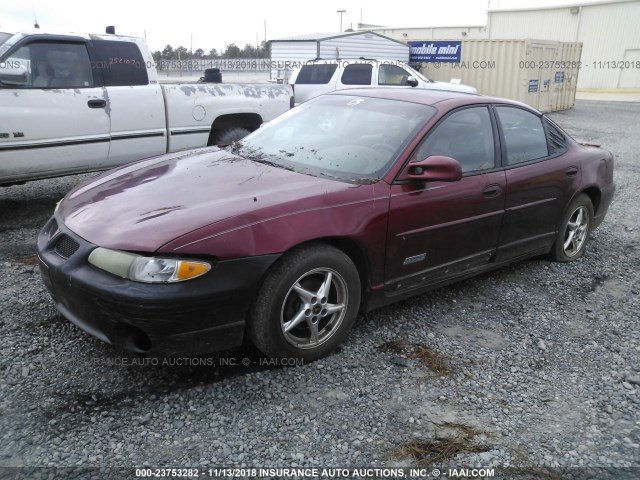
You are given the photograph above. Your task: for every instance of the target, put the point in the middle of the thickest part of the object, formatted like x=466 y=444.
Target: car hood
x=143 y=206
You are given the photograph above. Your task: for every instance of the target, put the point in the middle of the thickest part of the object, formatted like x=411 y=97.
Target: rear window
x=316 y=74
x=121 y=63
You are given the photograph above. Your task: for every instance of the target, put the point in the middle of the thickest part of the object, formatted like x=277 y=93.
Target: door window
x=524 y=136
x=56 y=65
x=465 y=135
x=357 y=74
x=392 y=75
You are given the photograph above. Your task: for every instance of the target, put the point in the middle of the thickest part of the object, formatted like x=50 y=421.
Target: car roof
x=444 y=98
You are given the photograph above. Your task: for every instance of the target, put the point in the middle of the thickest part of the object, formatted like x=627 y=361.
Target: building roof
x=310 y=37
x=317 y=37
x=429 y=28
x=559 y=7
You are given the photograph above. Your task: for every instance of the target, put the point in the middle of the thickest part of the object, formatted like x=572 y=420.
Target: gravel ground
x=533 y=369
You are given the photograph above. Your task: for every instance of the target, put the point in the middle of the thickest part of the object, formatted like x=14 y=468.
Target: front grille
x=66 y=246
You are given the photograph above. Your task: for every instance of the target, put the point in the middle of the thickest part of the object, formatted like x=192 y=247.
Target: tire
x=573 y=234
x=230 y=135
x=292 y=299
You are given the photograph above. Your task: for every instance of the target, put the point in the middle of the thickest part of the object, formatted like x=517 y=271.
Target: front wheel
x=307 y=305
x=574 y=231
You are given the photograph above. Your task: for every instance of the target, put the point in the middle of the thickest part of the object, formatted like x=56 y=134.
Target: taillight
x=292 y=99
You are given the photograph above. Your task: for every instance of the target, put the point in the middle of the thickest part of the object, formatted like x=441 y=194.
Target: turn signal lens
x=187 y=270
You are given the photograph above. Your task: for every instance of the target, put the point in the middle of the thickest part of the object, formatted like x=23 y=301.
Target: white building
x=608 y=30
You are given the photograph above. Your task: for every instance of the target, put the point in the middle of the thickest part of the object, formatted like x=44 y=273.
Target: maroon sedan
x=351 y=201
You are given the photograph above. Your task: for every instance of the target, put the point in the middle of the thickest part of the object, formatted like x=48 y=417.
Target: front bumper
x=198 y=316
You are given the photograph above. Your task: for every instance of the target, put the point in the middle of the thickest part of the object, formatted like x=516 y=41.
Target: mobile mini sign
x=435 y=51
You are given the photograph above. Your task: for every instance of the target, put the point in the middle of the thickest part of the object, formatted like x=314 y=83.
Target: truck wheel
x=230 y=135
x=572 y=237
x=307 y=305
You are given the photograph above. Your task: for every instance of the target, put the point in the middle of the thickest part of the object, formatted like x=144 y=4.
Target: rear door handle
x=571 y=171
x=97 y=103
x=492 y=191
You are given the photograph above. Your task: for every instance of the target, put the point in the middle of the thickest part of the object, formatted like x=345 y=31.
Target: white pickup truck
x=81 y=103
x=321 y=76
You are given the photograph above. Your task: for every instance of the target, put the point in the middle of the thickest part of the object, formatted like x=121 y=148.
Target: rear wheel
x=572 y=237
x=230 y=135
x=307 y=305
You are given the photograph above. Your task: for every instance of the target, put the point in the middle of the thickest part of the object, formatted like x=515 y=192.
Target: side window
x=467 y=136
x=56 y=65
x=316 y=74
x=392 y=75
x=19 y=63
x=557 y=140
x=357 y=74
x=121 y=63
x=523 y=135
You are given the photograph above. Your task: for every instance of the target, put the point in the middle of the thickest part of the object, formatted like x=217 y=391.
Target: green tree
x=249 y=51
x=157 y=57
x=168 y=53
x=265 y=49
x=232 y=51
x=213 y=53
x=199 y=53
x=182 y=53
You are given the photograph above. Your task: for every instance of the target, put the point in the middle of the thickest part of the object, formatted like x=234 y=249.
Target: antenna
x=35 y=20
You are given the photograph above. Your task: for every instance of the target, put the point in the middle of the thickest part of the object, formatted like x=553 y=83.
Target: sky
x=210 y=24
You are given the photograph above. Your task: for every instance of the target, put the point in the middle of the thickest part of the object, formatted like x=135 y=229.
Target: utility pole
x=341 y=12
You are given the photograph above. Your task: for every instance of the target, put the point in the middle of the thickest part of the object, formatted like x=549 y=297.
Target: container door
x=540 y=84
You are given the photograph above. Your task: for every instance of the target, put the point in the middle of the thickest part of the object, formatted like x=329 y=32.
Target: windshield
x=345 y=137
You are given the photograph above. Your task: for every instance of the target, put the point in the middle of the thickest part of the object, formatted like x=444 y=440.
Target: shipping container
x=540 y=73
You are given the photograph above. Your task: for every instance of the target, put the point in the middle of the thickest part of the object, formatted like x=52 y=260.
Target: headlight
x=147 y=269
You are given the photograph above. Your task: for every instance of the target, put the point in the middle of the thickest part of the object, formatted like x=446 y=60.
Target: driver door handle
x=99 y=103
x=492 y=191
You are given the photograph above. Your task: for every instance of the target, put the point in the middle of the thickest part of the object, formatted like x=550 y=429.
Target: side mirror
x=436 y=168
x=412 y=81
x=12 y=74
